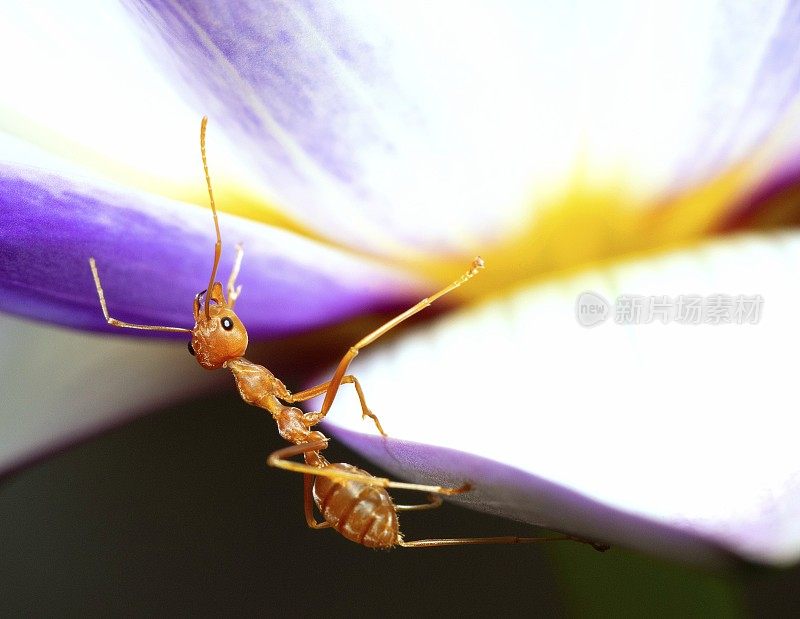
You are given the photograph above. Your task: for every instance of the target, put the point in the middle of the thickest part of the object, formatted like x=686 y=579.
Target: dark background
x=178 y=513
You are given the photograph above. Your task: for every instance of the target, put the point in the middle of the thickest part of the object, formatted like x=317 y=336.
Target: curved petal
x=154 y=255
x=439 y=126
x=689 y=430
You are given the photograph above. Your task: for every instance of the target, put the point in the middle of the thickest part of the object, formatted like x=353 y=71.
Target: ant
x=351 y=500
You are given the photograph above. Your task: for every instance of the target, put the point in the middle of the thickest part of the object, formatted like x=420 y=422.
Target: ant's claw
x=465 y=487
x=368 y=413
x=598 y=546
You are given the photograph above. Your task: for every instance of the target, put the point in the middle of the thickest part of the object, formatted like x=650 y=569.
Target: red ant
x=350 y=500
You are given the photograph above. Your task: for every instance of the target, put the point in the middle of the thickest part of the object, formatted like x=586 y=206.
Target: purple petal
x=773 y=202
x=440 y=129
x=522 y=496
x=688 y=429
x=154 y=255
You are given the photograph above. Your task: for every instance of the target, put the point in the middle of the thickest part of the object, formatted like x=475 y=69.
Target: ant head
x=218 y=334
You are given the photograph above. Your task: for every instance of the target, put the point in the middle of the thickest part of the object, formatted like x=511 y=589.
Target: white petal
x=442 y=126
x=78 y=83
x=60 y=386
x=687 y=428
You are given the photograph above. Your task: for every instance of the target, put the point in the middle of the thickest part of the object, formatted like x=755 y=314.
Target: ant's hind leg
x=463 y=541
x=466 y=541
x=279 y=460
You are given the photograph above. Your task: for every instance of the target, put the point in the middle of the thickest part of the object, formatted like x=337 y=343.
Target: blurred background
x=178 y=514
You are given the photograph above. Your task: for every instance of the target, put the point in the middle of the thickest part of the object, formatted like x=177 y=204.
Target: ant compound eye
x=226 y=323
x=191 y=349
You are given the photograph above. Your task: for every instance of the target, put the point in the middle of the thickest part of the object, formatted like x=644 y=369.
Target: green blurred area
x=625 y=584
x=177 y=513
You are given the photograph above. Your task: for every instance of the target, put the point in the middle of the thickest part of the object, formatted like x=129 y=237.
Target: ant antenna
x=218 y=245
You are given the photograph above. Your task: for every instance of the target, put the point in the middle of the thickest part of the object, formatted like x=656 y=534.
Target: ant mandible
x=352 y=501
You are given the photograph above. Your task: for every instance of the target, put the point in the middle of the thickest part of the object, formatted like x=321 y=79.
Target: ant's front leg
x=339 y=375
x=331 y=387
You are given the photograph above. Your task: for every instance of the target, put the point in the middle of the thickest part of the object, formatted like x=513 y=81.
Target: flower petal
x=438 y=127
x=677 y=438
x=82 y=86
x=154 y=255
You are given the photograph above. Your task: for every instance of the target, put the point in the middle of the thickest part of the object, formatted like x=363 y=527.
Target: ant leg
x=308 y=504
x=233 y=290
x=338 y=375
x=434 y=501
x=315 y=418
x=463 y=541
x=278 y=460
x=118 y=323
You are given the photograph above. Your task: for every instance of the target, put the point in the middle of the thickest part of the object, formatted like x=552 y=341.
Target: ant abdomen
x=362 y=513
